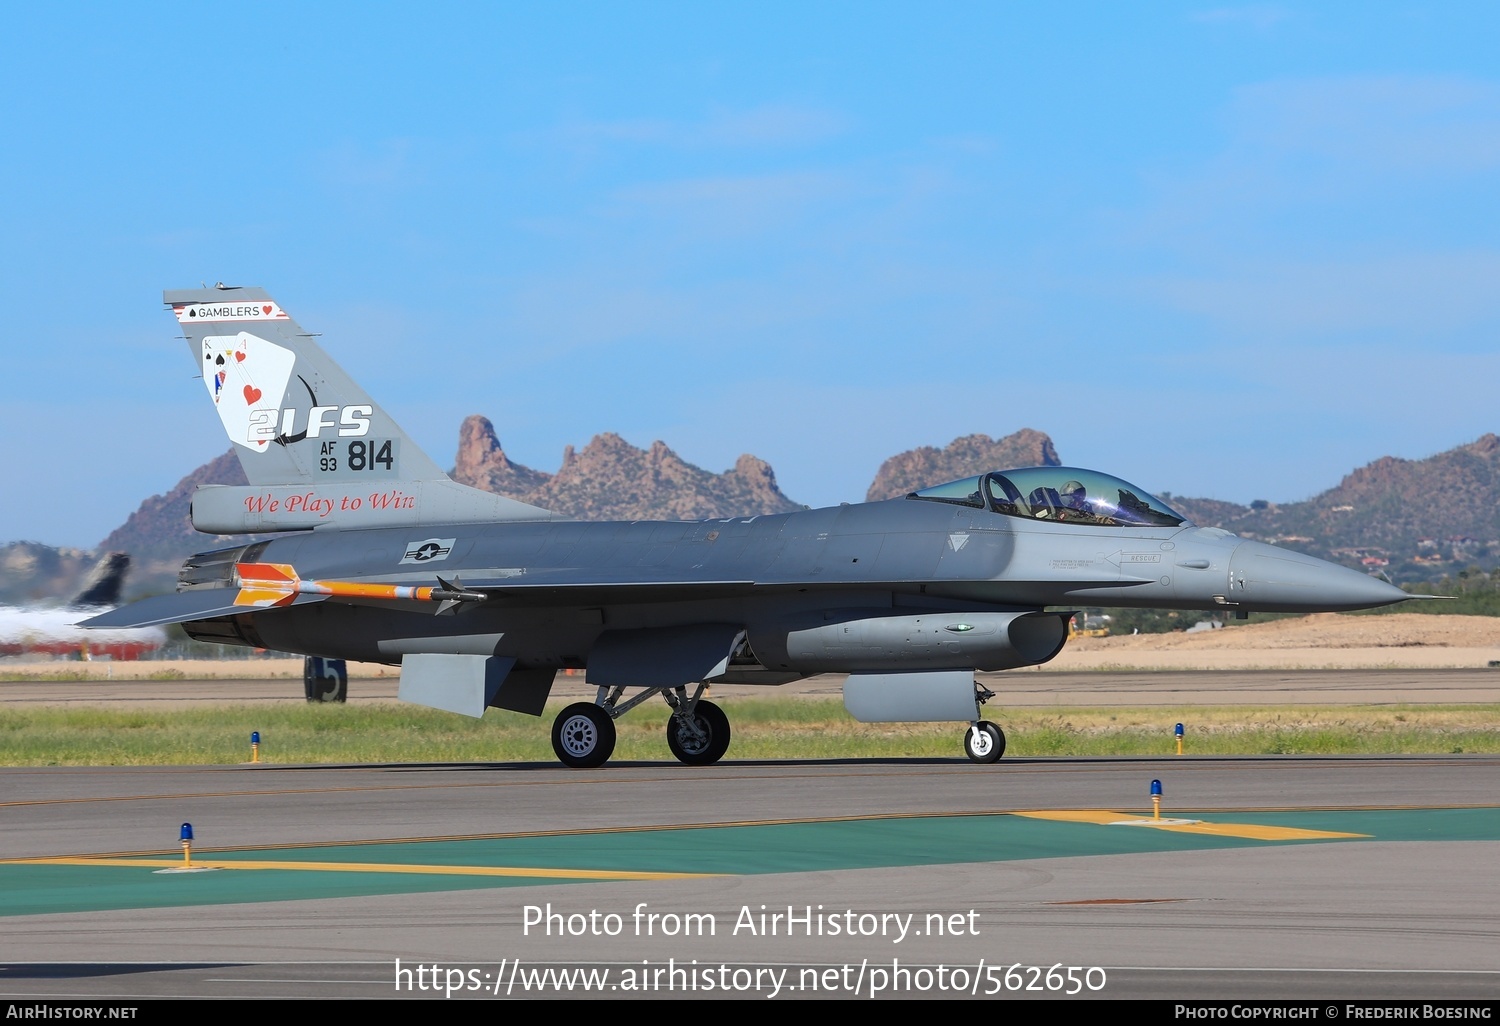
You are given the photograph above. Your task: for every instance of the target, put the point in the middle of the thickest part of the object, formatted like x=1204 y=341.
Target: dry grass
x=302 y=733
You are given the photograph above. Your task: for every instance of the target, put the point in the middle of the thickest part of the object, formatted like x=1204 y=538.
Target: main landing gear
x=583 y=735
x=699 y=738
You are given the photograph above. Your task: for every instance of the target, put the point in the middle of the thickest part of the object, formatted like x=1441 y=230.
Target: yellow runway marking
x=369 y=867
x=1252 y=831
x=1077 y=816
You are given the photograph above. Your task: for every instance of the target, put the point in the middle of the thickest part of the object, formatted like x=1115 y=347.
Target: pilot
x=1075 y=497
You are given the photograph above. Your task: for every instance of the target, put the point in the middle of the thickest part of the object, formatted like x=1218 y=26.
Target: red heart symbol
x=266 y=310
x=252 y=394
x=239 y=357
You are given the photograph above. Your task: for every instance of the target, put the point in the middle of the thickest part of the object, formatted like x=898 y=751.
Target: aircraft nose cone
x=1268 y=579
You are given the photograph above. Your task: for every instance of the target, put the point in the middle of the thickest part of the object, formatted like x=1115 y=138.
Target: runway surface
x=1274 y=877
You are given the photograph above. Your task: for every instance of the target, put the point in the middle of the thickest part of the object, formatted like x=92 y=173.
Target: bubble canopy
x=1067 y=494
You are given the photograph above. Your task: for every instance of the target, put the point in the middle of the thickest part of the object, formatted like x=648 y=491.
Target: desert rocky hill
x=32 y=572
x=610 y=479
x=1205 y=512
x=963 y=457
x=1412 y=519
x=159 y=535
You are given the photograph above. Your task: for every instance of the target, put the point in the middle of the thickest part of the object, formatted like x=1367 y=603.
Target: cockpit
x=1065 y=494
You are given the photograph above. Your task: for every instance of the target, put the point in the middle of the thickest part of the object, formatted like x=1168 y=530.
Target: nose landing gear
x=984 y=742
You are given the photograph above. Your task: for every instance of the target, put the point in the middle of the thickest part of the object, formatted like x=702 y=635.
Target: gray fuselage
x=554 y=587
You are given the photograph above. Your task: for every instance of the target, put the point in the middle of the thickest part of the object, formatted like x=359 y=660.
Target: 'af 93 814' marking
x=373 y=456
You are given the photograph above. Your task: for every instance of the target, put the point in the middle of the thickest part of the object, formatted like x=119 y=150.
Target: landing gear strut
x=984 y=742
x=583 y=735
x=699 y=738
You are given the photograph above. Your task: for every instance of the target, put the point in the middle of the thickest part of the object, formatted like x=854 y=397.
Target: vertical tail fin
x=316 y=449
x=292 y=413
x=103 y=584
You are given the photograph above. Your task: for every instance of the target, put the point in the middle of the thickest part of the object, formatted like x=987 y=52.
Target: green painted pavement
x=35 y=888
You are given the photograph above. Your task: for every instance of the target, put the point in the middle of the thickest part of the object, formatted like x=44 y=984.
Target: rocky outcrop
x=483 y=464
x=610 y=479
x=160 y=530
x=963 y=457
x=31 y=572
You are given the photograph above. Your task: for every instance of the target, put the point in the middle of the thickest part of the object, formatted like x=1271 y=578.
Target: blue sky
x=1226 y=251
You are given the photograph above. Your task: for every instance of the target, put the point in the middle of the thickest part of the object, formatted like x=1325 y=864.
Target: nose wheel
x=984 y=742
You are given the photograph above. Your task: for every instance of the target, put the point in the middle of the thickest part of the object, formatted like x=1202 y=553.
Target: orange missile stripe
x=277 y=584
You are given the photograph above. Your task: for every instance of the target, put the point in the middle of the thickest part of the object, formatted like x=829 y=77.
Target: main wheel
x=695 y=749
x=583 y=736
x=325 y=680
x=984 y=742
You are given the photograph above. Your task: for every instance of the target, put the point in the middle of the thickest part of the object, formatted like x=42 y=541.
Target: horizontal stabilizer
x=182 y=607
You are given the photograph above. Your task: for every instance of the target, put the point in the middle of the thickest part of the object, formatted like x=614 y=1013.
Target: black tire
x=696 y=751
x=583 y=736
x=325 y=680
x=984 y=742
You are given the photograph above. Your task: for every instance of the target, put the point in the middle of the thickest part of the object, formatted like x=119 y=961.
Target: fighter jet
x=55 y=631
x=379 y=556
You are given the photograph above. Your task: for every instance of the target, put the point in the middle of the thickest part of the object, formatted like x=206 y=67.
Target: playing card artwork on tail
x=247 y=377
